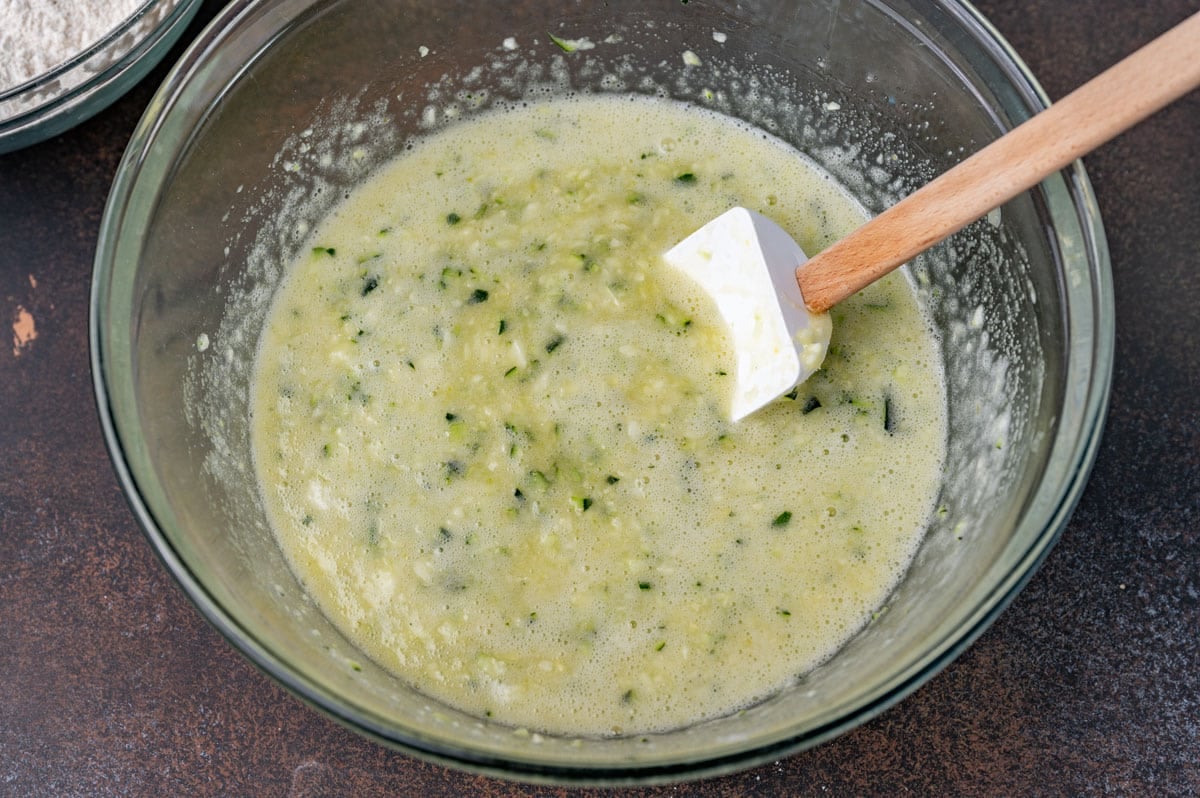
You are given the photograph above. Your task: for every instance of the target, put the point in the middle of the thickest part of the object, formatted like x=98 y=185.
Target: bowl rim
x=1061 y=496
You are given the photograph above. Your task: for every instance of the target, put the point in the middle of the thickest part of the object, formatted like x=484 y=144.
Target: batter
x=491 y=426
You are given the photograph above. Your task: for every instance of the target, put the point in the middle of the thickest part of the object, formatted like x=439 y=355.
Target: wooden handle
x=1115 y=100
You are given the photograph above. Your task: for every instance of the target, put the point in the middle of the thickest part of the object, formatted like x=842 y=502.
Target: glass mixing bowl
x=282 y=105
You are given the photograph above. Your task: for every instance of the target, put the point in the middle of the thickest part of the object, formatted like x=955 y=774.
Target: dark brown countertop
x=1089 y=683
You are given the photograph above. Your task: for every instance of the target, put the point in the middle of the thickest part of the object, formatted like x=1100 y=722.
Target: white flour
x=38 y=35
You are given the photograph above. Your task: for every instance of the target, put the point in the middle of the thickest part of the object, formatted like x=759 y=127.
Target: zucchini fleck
x=674 y=320
x=357 y=393
x=563 y=44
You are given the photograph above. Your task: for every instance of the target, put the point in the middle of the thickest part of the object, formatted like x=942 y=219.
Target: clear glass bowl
x=89 y=81
x=282 y=105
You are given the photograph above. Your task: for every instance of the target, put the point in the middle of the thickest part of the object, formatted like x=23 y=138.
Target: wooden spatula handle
x=1115 y=100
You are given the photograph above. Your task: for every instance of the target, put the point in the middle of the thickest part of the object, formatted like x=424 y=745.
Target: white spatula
x=774 y=299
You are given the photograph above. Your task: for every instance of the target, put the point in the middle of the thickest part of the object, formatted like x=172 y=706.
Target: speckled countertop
x=1088 y=684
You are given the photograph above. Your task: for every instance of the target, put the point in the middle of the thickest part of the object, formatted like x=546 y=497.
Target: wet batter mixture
x=491 y=426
